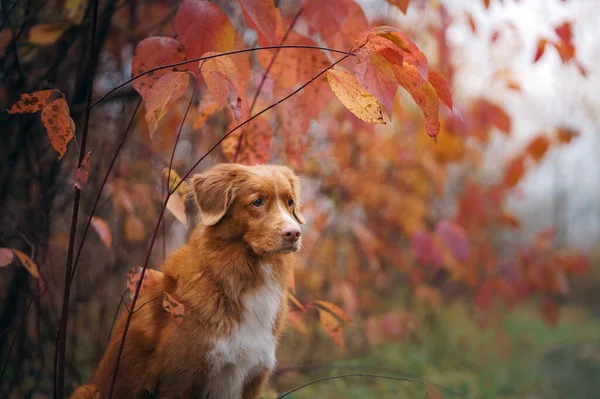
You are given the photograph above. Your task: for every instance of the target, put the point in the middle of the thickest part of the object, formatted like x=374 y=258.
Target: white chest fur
x=251 y=346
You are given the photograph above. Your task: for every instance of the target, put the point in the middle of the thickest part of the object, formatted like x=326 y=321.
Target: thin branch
x=383 y=377
x=208 y=58
x=62 y=336
x=106 y=175
x=147 y=302
x=112 y=325
x=264 y=78
x=17 y=333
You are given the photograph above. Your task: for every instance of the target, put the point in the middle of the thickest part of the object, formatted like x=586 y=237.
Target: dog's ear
x=214 y=192
x=295 y=182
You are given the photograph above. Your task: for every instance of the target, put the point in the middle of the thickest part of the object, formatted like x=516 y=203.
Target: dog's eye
x=258 y=203
x=290 y=202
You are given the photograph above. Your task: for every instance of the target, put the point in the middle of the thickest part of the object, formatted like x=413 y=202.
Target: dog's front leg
x=253 y=385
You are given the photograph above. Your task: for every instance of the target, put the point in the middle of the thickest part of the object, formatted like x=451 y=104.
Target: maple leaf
x=256 y=145
x=537 y=147
x=58 y=124
x=202 y=27
x=153 y=52
x=161 y=97
x=376 y=74
x=103 y=230
x=174 y=308
x=82 y=173
x=265 y=19
x=31 y=102
x=358 y=101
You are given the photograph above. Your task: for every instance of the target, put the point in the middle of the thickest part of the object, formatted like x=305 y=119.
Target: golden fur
x=238 y=253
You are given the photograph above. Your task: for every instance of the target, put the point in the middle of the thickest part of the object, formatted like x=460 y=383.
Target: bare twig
x=14 y=340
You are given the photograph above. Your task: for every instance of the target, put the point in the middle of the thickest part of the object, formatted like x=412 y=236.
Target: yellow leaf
x=27 y=263
x=103 y=231
x=358 y=101
x=163 y=95
x=46 y=33
x=333 y=309
x=177 y=208
x=175 y=179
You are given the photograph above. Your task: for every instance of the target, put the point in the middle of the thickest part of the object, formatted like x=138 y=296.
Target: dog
x=232 y=277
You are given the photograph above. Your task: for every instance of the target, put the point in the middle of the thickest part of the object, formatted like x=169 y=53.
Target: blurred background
x=473 y=263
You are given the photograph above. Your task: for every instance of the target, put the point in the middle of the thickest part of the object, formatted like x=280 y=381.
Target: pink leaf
x=6 y=257
x=376 y=74
x=103 y=231
x=455 y=238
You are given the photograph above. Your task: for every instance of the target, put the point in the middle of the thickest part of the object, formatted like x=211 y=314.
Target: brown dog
x=232 y=278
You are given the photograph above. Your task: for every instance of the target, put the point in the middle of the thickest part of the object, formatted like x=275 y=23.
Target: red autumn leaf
x=201 y=27
x=332 y=327
x=564 y=32
x=103 y=231
x=376 y=74
x=550 y=311
x=333 y=309
x=161 y=97
x=265 y=19
x=82 y=173
x=153 y=52
x=31 y=102
x=295 y=121
x=423 y=94
x=426 y=251
x=59 y=125
x=537 y=147
x=564 y=135
x=514 y=171
x=221 y=76
x=174 y=308
x=357 y=100
x=541 y=47
x=337 y=20
x=486 y=3
x=574 y=263
x=176 y=206
x=152 y=278
x=401 y=4
x=206 y=109
x=27 y=263
x=412 y=55
x=6 y=257
x=566 y=50
x=441 y=88
x=256 y=143
x=455 y=238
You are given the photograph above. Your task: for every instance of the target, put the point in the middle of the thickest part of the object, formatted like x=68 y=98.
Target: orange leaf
x=509 y=220
x=256 y=143
x=206 y=109
x=175 y=309
x=333 y=309
x=153 y=52
x=564 y=135
x=423 y=94
x=295 y=121
x=541 y=47
x=201 y=27
x=161 y=97
x=564 y=31
x=32 y=102
x=401 y=4
x=44 y=34
x=412 y=55
x=264 y=18
x=455 y=238
x=152 y=278
x=337 y=20
x=376 y=74
x=221 y=77
x=295 y=300
x=432 y=391
x=514 y=171
x=82 y=173
x=538 y=147
x=441 y=88
x=134 y=229
x=27 y=263
x=358 y=101
x=103 y=230
x=58 y=124
x=6 y=257
x=296 y=322
x=486 y=3
x=177 y=207
x=333 y=328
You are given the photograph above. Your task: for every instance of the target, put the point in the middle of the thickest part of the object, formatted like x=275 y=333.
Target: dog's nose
x=291 y=234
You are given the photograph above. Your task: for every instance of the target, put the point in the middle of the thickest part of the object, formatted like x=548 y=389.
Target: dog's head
x=257 y=204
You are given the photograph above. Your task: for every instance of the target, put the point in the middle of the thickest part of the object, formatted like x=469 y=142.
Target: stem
x=264 y=78
x=14 y=340
x=97 y=199
x=383 y=377
x=62 y=332
x=208 y=58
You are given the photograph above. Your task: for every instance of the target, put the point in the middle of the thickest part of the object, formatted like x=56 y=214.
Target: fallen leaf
x=161 y=97
x=59 y=126
x=358 y=101
x=44 y=34
x=177 y=207
x=27 y=263
x=6 y=257
x=537 y=147
x=175 y=309
x=103 y=230
x=332 y=327
x=154 y=52
x=82 y=173
x=31 y=102
x=333 y=309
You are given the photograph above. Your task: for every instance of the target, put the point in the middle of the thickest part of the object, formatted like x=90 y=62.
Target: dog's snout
x=291 y=233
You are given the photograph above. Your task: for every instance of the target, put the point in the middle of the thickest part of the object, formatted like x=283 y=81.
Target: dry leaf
x=103 y=231
x=332 y=327
x=31 y=102
x=152 y=278
x=161 y=97
x=333 y=309
x=27 y=263
x=358 y=101
x=175 y=179
x=59 y=125
x=175 y=309
x=44 y=34
x=177 y=207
